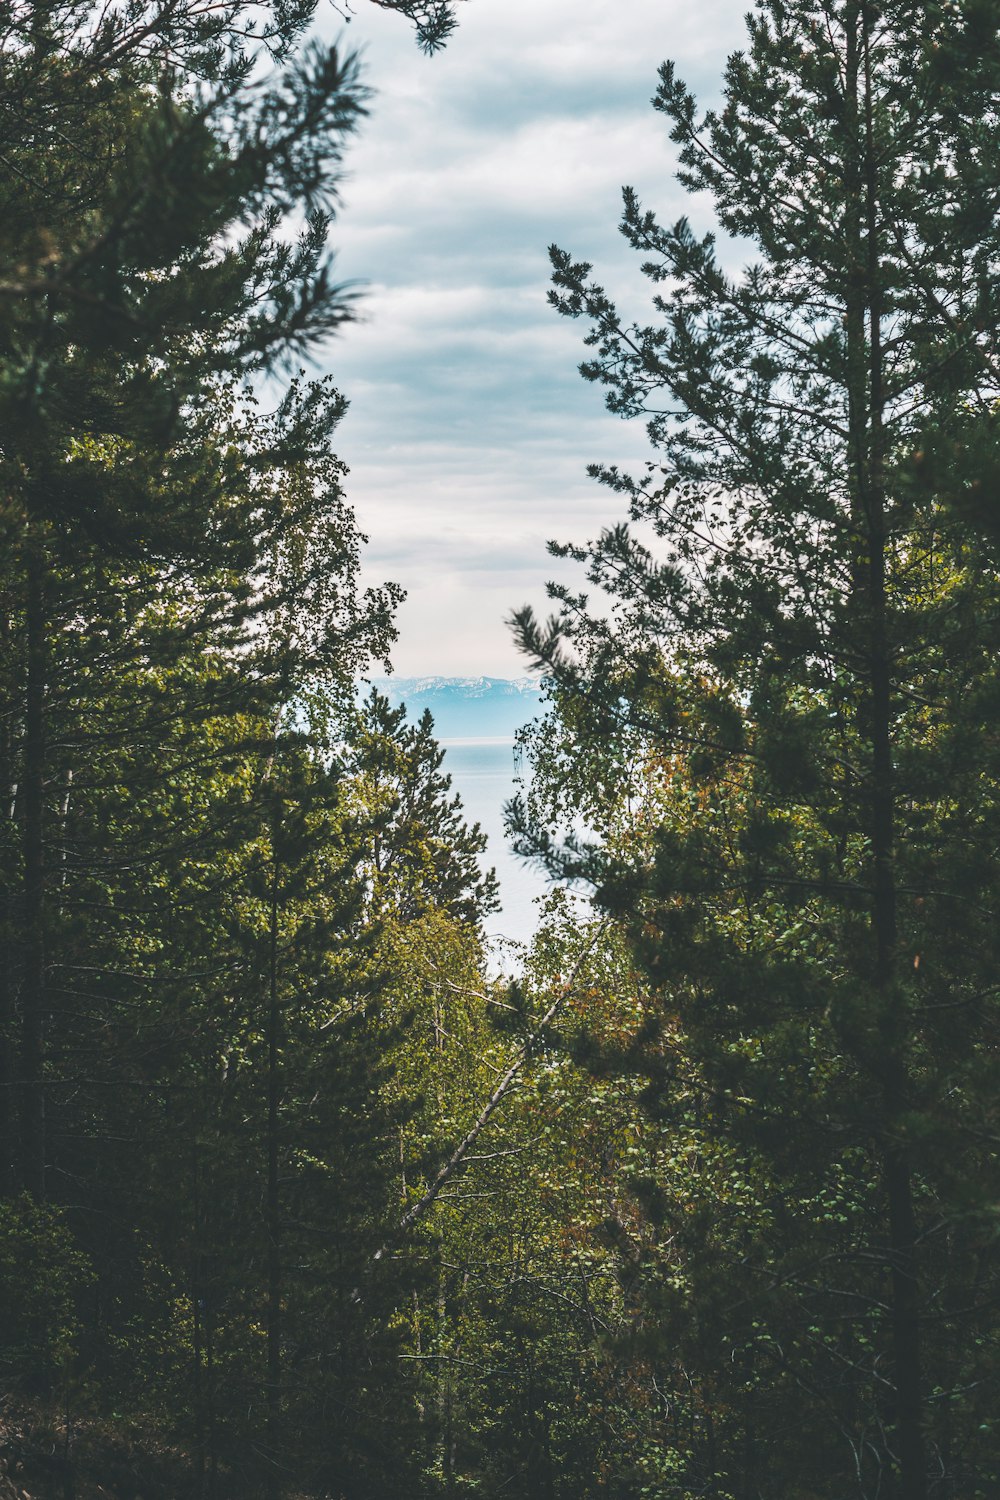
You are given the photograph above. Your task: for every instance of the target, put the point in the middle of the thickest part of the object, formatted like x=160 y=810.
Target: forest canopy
x=297 y=1196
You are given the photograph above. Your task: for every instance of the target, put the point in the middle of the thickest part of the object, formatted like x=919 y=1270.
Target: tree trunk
x=273 y=1197
x=33 y=986
x=867 y=422
x=8 y=1150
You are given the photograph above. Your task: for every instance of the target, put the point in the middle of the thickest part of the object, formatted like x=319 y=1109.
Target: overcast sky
x=470 y=429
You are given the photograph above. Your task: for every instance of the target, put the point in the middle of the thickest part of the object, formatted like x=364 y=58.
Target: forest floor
x=44 y=1458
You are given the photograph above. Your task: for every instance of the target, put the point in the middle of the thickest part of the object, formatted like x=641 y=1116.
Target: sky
x=470 y=428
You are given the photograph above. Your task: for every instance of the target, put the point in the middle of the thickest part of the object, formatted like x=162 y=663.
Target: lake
x=482 y=773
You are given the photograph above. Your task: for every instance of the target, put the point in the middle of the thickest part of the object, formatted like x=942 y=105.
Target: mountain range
x=467 y=707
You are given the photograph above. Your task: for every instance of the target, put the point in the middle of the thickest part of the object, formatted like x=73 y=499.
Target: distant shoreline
x=468 y=710
x=457 y=741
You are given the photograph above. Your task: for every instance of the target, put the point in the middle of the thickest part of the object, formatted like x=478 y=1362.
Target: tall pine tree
x=801 y=645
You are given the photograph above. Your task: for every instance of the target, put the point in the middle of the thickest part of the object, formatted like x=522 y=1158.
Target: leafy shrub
x=42 y=1277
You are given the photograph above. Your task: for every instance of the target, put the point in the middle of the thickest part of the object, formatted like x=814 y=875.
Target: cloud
x=470 y=429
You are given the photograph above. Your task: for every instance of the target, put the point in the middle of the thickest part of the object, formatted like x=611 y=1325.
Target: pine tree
x=125 y=311
x=423 y=854
x=187 y=1028
x=800 y=646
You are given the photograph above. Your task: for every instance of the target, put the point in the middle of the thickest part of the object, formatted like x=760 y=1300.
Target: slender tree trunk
x=33 y=986
x=906 y=1331
x=213 y=1445
x=198 y=1395
x=867 y=422
x=273 y=1196
x=8 y=1152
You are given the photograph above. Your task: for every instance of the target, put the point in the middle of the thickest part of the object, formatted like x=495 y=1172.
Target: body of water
x=482 y=772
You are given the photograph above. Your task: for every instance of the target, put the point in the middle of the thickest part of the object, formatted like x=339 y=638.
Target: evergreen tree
x=192 y=1059
x=423 y=856
x=800 y=646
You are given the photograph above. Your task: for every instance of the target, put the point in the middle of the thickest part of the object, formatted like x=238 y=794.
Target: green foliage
x=704 y=1202
x=423 y=854
x=44 y=1281
x=793 y=651
x=194 y=1062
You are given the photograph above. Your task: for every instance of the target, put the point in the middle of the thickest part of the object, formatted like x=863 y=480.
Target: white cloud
x=470 y=430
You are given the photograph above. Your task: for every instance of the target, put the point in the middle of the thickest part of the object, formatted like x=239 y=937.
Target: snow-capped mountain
x=467 y=707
